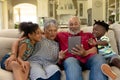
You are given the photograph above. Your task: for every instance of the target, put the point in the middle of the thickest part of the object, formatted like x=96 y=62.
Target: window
x=80 y=9
x=51 y=10
x=117 y=10
x=51 y=7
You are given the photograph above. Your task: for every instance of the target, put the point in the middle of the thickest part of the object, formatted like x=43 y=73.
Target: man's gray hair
x=75 y=17
x=50 y=22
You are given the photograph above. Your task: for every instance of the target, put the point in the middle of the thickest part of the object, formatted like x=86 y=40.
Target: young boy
x=104 y=47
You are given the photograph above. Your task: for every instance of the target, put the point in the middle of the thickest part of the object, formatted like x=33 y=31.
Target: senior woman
x=46 y=55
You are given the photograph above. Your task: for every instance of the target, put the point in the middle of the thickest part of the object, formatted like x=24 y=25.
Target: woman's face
x=51 y=32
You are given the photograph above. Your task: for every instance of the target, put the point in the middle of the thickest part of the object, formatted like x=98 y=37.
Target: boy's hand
x=92 y=42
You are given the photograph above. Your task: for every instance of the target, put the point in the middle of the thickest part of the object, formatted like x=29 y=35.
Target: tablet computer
x=73 y=41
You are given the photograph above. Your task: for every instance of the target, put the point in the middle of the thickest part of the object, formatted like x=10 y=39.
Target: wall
x=98 y=11
x=1 y=19
x=104 y=10
x=24 y=1
x=89 y=3
x=5 y=15
x=43 y=8
x=10 y=14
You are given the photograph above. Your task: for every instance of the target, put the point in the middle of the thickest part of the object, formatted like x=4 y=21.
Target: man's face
x=74 y=25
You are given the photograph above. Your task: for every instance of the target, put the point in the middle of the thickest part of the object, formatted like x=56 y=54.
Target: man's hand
x=79 y=50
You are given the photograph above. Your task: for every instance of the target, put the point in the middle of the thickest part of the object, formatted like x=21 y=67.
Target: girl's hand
x=22 y=63
x=79 y=50
x=62 y=54
x=11 y=58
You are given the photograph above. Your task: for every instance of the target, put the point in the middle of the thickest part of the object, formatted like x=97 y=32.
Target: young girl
x=16 y=61
x=104 y=48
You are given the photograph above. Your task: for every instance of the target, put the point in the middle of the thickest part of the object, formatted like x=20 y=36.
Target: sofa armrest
x=5 y=45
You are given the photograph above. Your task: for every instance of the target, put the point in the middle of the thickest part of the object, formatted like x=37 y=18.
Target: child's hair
x=102 y=23
x=27 y=28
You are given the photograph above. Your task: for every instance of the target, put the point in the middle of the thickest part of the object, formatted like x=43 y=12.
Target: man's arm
x=92 y=50
x=79 y=50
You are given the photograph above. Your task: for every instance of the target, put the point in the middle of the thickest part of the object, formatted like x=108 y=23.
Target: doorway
x=25 y=12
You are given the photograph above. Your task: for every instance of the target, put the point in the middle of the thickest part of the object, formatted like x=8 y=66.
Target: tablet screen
x=73 y=41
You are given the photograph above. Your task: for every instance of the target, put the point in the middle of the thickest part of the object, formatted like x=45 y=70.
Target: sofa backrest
x=10 y=33
x=116 y=29
x=7 y=37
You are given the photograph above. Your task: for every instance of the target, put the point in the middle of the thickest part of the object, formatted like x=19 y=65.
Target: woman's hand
x=62 y=54
x=79 y=50
x=11 y=58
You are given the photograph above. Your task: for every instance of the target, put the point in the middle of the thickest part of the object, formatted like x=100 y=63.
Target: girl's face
x=36 y=36
x=98 y=31
x=51 y=32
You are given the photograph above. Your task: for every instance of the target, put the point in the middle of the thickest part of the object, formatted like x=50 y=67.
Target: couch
x=10 y=35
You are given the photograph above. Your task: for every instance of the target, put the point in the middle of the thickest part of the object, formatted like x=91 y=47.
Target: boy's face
x=98 y=31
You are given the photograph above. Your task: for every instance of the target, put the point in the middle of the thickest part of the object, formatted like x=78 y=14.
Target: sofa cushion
x=5 y=45
x=5 y=75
